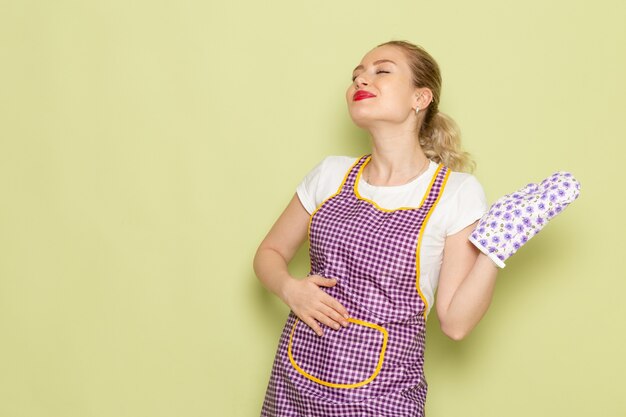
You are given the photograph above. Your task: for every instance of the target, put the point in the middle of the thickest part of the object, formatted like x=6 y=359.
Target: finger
x=323 y=282
x=336 y=305
x=324 y=319
x=334 y=316
x=313 y=325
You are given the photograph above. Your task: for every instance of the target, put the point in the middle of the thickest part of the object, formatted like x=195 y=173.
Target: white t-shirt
x=462 y=202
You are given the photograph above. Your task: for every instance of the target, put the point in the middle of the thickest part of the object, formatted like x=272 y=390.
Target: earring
x=417 y=109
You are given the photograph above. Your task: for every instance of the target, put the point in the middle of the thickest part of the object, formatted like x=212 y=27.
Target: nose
x=360 y=81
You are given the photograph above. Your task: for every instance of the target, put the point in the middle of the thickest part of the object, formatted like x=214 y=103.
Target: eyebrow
x=375 y=63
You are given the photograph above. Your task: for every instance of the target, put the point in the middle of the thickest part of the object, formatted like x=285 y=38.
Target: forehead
x=390 y=52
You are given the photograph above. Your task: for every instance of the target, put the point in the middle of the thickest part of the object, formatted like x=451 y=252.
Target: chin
x=365 y=119
x=362 y=123
x=362 y=117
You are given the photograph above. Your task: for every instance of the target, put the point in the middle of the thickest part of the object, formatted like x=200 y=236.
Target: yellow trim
x=335 y=385
x=421 y=234
x=343 y=182
x=360 y=197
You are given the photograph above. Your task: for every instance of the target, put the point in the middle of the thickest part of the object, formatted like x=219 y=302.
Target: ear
x=423 y=97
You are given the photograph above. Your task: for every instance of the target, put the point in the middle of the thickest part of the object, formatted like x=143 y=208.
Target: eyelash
x=377 y=72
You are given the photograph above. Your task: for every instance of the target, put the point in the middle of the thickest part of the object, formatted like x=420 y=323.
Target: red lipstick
x=361 y=95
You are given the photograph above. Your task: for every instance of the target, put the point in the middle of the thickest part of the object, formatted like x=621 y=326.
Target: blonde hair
x=439 y=135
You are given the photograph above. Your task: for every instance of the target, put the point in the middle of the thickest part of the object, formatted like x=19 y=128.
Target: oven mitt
x=515 y=218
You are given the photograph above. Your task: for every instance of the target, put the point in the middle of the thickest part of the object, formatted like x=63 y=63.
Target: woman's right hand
x=312 y=305
x=304 y=296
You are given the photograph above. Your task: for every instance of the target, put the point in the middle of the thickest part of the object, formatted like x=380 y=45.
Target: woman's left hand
x=515 y=218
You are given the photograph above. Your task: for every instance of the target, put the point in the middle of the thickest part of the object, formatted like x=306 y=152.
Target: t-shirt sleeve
x=307 y=189
x=468 y=205
x=323 y=181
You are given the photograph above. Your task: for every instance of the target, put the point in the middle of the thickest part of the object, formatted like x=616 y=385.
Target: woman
x=386 y=232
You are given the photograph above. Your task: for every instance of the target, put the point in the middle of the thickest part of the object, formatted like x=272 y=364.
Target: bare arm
x=304 y=296
x=466 y=283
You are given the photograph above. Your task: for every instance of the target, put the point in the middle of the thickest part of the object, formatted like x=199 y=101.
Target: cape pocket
x=346 y=358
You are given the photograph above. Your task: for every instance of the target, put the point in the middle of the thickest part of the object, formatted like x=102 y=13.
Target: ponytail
x=439 y=136
x=440 y=140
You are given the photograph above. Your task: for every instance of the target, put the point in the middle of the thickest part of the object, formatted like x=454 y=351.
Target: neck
x=397 y=157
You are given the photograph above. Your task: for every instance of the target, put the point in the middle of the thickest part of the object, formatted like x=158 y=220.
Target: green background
x=147 y=147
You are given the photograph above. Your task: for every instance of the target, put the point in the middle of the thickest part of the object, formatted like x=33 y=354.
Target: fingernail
x=336 y=326
x=345 y=324
x=346 y=316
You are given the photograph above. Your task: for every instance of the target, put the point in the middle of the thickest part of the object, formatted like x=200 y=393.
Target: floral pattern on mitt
x=515 y=218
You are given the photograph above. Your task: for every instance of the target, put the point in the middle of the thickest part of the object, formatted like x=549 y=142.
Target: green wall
x=147 y=147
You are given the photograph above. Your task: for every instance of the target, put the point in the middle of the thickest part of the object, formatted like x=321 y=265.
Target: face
x=382 y=89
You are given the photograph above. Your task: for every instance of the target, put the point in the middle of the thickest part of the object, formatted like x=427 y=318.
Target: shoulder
x=332 y=166
x=465 y=201
x=460 y=183
x=324 y=180
x=333 y=163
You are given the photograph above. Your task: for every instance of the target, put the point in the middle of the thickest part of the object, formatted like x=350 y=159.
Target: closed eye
x=377 y=72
